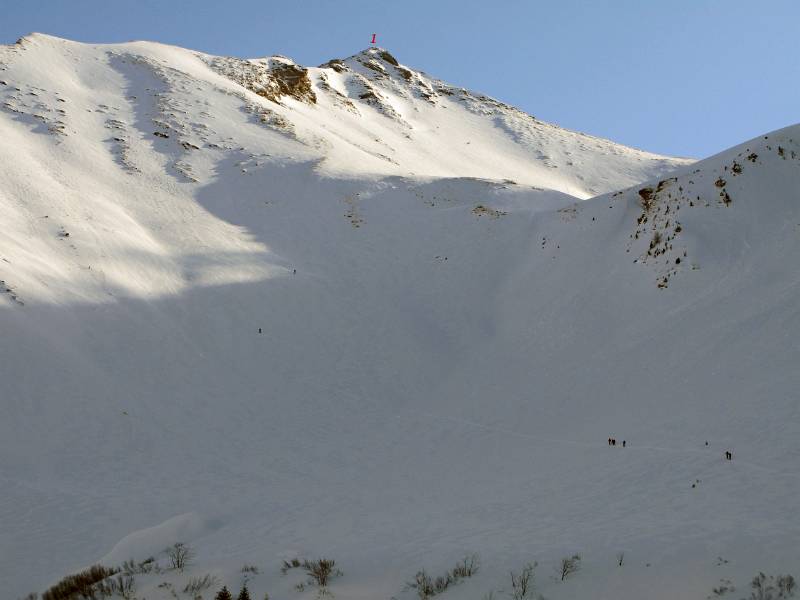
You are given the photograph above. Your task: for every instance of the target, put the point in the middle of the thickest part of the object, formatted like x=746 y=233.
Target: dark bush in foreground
x=79 y=585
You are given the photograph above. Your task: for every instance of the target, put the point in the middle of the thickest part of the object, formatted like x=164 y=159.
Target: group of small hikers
x=613 y=442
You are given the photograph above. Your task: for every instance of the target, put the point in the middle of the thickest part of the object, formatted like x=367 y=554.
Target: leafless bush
x=250 y=569
x=290 y=564
x=762 y=588
x=767 y=587
x=321 y=571
x=130 y=567
x=198 y=584
x=656 y=240
x=723 y=588
x=569 y=566
x=427 y=587
x=123 y=585
x=180 y=555
x=786 y=586
x=423 y=584
x=78 y=585
x=466 y=568
x=522 y=583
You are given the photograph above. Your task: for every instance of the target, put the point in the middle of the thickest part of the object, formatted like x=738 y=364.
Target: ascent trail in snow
x=630 y=447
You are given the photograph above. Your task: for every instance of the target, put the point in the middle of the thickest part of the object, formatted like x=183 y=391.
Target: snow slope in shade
x=438 y=377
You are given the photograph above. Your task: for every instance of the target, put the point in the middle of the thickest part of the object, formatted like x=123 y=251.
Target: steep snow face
x=209 y=338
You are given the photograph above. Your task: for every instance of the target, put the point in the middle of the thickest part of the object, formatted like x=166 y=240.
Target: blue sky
x=682 y=77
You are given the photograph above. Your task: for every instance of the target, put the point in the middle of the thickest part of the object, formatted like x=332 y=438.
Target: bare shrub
x=123 y=585
x=130 y=567
x=723 y=588
x=442 y=582
x=290 y=564
x=569 y=566
x=786 y=586
x=466 y=568
x=767 y=587
x=198 y=584
x=427 y=587
x=522 y=583
x=656 y=240
x=423 y=584
x=78 y=585
x=250 y=569
x=762 y=588
x=321 y=571
x=180 y=555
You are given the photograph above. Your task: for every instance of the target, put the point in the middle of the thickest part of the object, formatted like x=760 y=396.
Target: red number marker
x=373 y=38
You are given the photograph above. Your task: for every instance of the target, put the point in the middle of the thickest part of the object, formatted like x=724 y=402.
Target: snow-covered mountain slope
x=258 y=337
x=364 y=115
